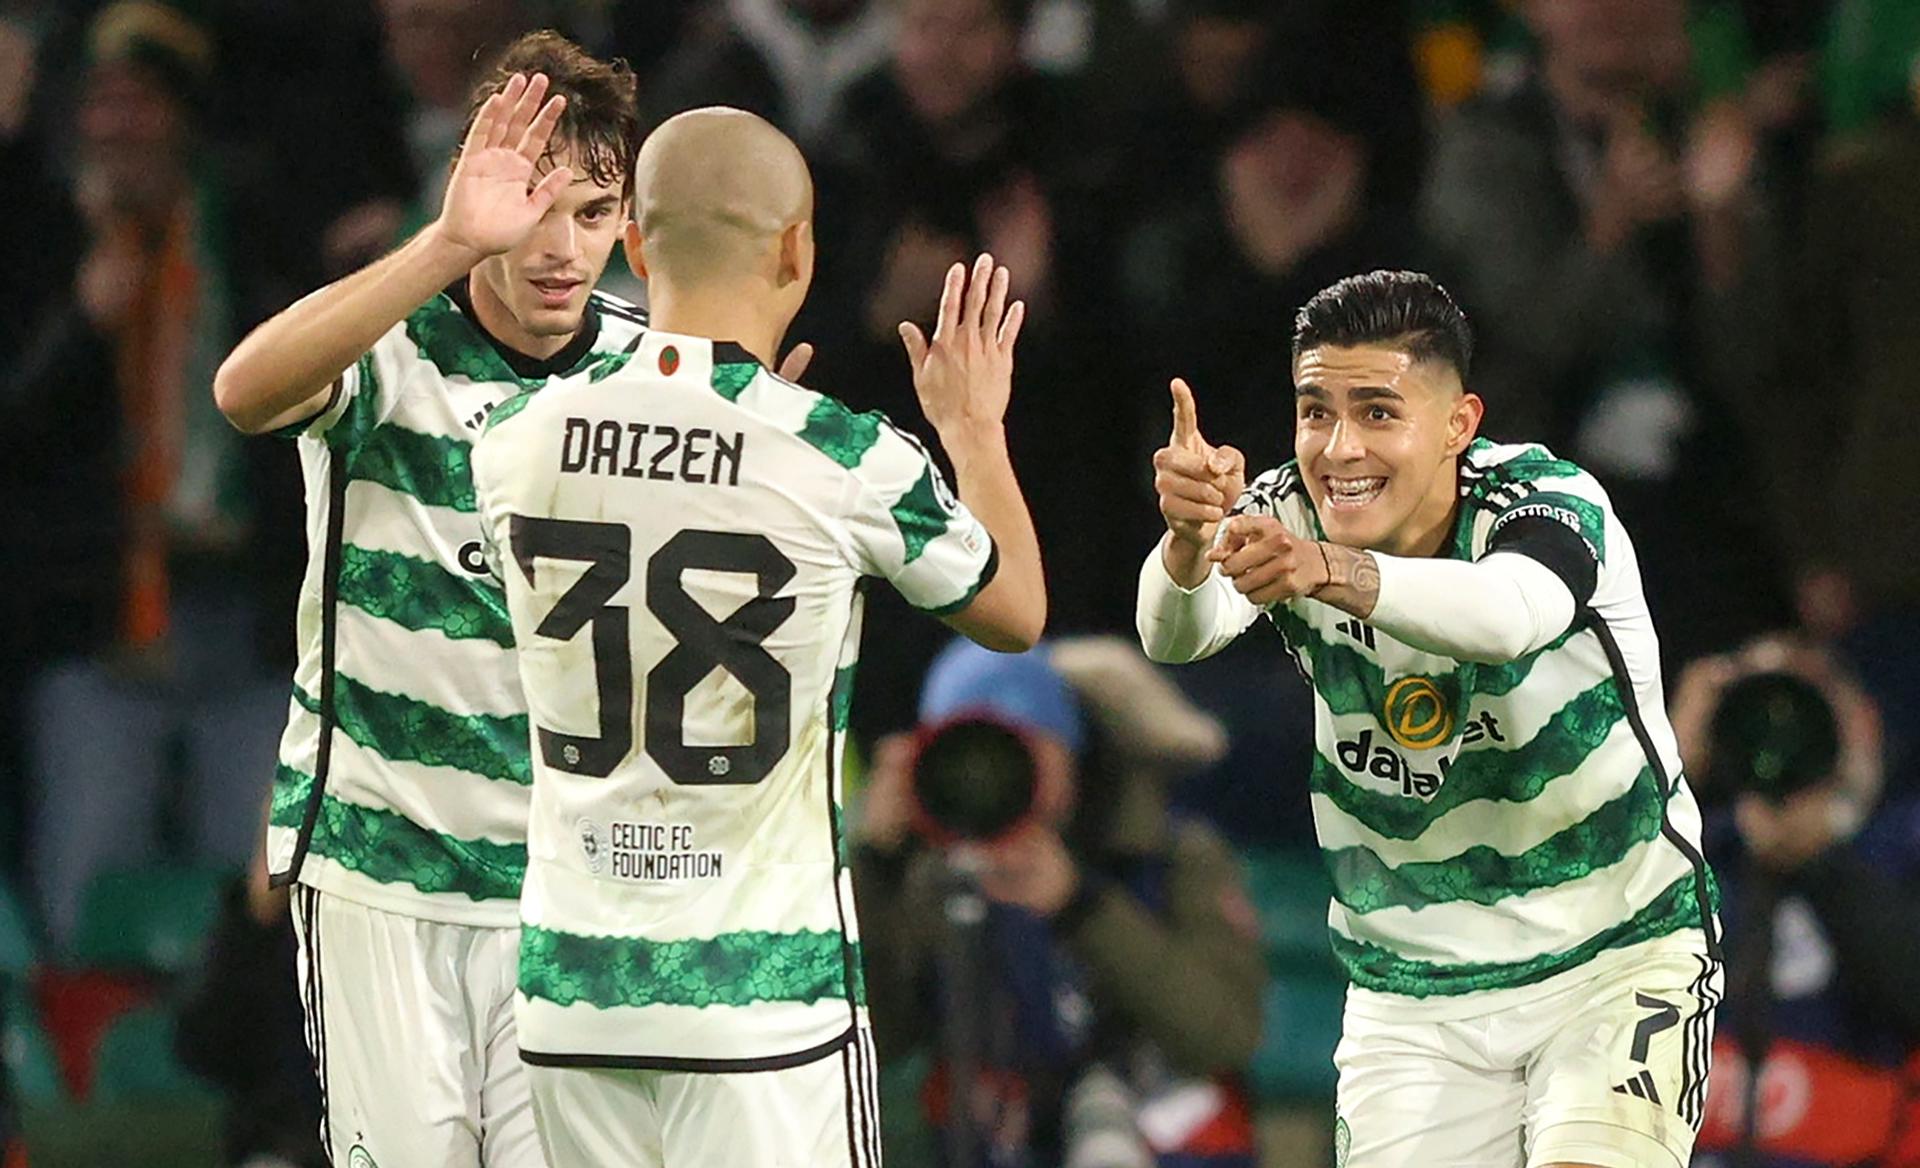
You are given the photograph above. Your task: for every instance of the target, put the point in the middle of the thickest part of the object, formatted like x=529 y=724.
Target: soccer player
x=1519 y=897
x=400 y=803
x=684 y=544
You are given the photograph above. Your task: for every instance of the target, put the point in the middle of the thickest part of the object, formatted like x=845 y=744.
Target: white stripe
x=382 y=519
x=464 y=676
x=763 y=1030
x=440 y=799
x=766 y=897
x=1548 y=920
x=1507 y=827
x=870 y=1091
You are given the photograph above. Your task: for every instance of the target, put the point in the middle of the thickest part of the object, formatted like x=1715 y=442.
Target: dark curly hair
x=602 y=116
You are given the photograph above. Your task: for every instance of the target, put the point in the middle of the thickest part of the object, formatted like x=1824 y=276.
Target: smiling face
x=534 y=297
x=1378 y=435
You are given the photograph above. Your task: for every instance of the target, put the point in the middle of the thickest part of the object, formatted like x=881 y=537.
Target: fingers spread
x=1010 y=327
x=915 y=341
x=996 y=309
x=950 y=296
x=533 y=143
x=526 y=104
x=549 y=189
x=977 y=287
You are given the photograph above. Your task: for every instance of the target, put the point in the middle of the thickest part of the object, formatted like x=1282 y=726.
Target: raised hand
x=492 y=203
x=964 y=376
x=1196 y=481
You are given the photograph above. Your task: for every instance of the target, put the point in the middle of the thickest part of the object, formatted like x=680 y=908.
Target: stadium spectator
x=137 y=492
x=1287 y=212
x=1117 y=956
x=1858 y=357
x=1613 y=244
x=1822 y=989
x=790 y=61
x=434 y=45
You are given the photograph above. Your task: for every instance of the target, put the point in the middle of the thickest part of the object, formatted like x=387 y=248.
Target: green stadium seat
x=1302 y=1026
x=19 y=942
x=156 y=919
x=135 y=1062
x=1290 y=890
x=33 y=1069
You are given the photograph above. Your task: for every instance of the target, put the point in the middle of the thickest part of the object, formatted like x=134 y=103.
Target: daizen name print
x=653 y=451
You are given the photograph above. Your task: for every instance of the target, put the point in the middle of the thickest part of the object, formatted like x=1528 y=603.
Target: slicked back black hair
x=1407 y=311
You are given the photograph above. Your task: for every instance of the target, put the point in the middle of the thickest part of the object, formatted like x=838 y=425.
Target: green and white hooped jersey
x=404 y=776
x=1489 y=826
x=683 y=546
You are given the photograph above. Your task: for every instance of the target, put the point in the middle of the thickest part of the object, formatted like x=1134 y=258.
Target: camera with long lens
x=973 y=779
x=1773 y=734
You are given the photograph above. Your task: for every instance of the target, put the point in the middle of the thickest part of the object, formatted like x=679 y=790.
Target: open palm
x=965 y=374
x=491 y=202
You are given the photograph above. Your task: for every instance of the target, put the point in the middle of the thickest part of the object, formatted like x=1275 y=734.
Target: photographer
x=1823 y=950
x=1035 y=916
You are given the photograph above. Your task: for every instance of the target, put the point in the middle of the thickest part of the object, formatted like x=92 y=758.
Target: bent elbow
x=230 y=396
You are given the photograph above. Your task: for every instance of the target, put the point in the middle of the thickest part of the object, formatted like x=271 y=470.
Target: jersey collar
x=523 y=366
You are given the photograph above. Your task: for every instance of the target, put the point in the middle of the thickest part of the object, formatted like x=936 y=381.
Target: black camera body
x=1774 y=734
x=974 y=778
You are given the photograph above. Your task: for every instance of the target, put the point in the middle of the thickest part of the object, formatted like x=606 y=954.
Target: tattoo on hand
x=1353 y=580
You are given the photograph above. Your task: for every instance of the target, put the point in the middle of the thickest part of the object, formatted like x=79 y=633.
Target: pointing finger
x=1186 y=423
x=795 y=366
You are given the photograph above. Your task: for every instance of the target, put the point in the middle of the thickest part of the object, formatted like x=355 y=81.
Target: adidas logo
x=1641 y=1086
x=1356 y=630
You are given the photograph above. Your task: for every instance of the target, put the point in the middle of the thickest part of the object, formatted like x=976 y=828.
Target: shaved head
x=713 y=191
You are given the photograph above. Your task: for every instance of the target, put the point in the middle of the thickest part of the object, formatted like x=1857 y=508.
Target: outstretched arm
x=283 y=371
x=964 y=377
x=1495 y=609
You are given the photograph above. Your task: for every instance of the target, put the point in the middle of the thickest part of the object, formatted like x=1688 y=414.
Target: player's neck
x=1430 y=528
x=718 y=314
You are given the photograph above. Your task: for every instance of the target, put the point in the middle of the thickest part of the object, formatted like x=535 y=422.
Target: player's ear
x=630 y=244
x=795 y=260
x=1463 y=423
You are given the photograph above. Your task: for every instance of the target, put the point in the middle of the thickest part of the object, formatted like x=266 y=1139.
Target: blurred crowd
x=1686 y=233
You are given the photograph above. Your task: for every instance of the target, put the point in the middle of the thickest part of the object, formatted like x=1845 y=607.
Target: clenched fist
x=1269 y=564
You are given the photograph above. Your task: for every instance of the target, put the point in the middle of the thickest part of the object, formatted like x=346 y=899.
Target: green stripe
x=732 y=379
x=291 y=790
x=1374 y=968
x=605 y=365
x=919 y=516
x=1512 y=776
x=362 y=412
x=445 y=337
x=388 y=847
x=508 y=409
x=841 y=700
x=435 y=470
x=839 y=433
x=732 y=969
x=1350 y=682
x=401 y=729
x=419 y=595
x=1365 y=883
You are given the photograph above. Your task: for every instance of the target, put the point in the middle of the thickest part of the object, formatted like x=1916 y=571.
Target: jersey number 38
x=701 y=645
